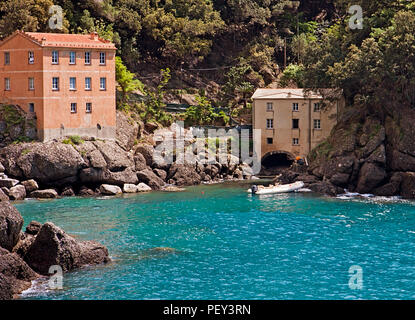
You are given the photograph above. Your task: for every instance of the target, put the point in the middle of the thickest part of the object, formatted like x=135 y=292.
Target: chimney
x=94 y=35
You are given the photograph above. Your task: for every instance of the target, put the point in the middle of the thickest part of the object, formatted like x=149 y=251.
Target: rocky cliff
x=367 y=152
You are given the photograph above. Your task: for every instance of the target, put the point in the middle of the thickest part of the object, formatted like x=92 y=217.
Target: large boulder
x=15 y=275
x=147 y=151
x=117 y=159
x=8 y=183
x=370 y=177
x=3 y=196
x=44 y=162
x=17 y=192
x=110 y=190
x=30 y=185
x=11 y=223
x=185 y=175
x=53 y=246
x=150 y=178
x=44 y=194
x=325 y=187
x=98 y=176
x=127 y=131
x=130 y=188
x=408 y=185
x=142 y=187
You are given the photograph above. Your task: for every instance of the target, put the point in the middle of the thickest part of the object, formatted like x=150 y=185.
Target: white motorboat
x=283 y=188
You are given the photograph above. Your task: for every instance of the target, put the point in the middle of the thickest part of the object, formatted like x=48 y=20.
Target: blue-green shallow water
x=234 y=246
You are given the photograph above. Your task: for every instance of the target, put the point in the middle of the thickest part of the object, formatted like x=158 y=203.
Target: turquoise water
x=234 y=246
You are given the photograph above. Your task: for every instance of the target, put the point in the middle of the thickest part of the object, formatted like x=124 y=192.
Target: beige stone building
x=292 y=123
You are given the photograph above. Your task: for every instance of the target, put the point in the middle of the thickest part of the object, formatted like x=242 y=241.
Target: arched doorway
x=275 y=161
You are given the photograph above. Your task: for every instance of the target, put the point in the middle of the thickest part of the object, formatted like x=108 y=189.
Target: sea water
x=229 y=244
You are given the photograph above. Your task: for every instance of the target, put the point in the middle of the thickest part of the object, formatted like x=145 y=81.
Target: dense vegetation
x=239 y=44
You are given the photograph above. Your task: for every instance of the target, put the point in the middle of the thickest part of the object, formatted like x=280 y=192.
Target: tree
x=126 y=80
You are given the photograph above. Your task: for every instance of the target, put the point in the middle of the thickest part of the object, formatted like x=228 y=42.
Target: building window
x=72 y=83
x=73 y=107
x=87 y=83
x=7 y=58
x=7 y=84
x=295 y=106
x=102 y=58
x=317 y=107
x=72 y=57
x=31 y=83
x=31 y=107
x=88 y=107
x=317 y=124
x=270 y=124
x=103 y=83
x=296 y=141
x=270 y=141
x=55 y=57
x=296 y=123
x=31 y=57
x=270 y=106
x=87 y=57
x=55 y=83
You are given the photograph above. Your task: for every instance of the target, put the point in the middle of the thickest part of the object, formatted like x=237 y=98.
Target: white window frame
x=317 y=124
x=101 y=56
x=7 y=84
x=88 y=110
x=31 y=84
x=31 y=57
x=88 y=80
x=270 y=123
x=296 y=141
x=295 y=107
x=55 y=57
x=74 y=107
x=270 y=106
x=55 y=85
x=102 y=83
x=317 y=107
x=72 y=54
x=72 y=83
x=87 y=57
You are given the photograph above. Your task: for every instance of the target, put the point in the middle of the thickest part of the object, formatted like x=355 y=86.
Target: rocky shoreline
x=27 y=256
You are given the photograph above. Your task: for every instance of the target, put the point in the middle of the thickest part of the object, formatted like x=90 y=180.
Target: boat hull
x=286 y=188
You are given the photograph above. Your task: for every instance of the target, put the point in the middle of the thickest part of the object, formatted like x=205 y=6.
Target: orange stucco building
x=66 y=80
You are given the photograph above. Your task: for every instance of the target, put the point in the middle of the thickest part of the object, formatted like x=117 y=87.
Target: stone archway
x=275 y=161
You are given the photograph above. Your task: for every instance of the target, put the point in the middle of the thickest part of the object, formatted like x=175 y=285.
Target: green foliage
x=126 y=80
x=73 y=140
x=204 y=113
x=293 y=74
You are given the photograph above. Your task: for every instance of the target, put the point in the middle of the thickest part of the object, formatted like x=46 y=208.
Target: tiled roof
x=285 y=94
x=68 y=40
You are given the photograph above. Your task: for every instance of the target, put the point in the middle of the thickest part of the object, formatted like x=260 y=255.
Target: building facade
x=66 y=80
x=292 y=122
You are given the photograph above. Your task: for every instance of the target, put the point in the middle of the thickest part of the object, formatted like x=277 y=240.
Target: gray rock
x=53 y=246
x=44 y=194
x=130 y=188
x=1 y=168
x=11 y=223
x=33 y=228
x=110 y=190
x=371 y=176
x=142 y=187
x=140 y=162
x=161 y=173
x=150 y=178
x=67 y=192
x=30 y=185
x=147 y=152
x=8 y=183
x=3 y=196
x=127 y=131
x=17 y=192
